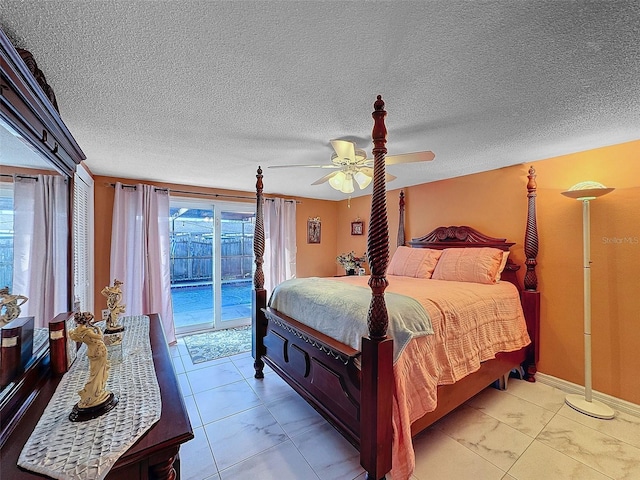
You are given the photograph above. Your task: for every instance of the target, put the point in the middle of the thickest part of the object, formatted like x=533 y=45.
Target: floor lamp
x=585 y=192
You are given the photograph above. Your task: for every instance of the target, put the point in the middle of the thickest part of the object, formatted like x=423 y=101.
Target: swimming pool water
x=193 y=304
x=184 y=297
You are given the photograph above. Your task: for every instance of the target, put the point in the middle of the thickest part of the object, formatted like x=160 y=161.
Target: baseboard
x=613 y=402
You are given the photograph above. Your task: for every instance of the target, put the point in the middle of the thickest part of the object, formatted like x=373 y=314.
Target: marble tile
x=213 y=376
x=227 y=400
x=520 y=414
x=173 y=350
x=440 y=457
x=179 y=349
x=244 y=364
x=493 y=440
x=542 y=462
x=599 y=451
x=213 y=477
x=240 y=436
x=185 y=387
x=178 y=366
x=192 y=410
x=328 y=453
x=508 y=477
x=196 y=459
x=623 y=426
x=294 y=414
x=282 y=462
x=270 y=388
x=545 y=396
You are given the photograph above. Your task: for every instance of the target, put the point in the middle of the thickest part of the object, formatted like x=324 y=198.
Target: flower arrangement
x=350 y=262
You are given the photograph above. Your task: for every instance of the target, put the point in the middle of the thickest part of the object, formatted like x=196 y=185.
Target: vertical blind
x=83 y=290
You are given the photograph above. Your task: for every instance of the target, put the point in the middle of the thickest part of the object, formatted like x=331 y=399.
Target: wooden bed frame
x=353 y=389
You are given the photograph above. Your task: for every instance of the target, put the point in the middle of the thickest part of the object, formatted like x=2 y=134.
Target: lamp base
x=594 y=408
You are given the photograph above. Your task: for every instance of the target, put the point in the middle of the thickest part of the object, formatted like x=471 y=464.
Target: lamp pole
x=586 y=192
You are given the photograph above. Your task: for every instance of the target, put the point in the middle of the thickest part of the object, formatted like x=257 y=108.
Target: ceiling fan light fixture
x=347 y=185
x=363 y=179
x=337 y=180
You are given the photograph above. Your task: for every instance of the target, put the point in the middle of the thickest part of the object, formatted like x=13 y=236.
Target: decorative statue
x=95 y=400
x=114 y=297
x=10 y=306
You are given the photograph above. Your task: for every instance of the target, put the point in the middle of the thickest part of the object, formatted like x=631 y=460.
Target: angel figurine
x=95 y=400
x=114 y=297
x=10 y=306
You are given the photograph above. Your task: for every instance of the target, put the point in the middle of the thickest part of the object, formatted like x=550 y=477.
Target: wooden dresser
x=152 y=457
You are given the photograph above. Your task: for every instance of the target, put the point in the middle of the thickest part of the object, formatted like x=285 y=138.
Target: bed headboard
x=457 y=237
x=467 y=237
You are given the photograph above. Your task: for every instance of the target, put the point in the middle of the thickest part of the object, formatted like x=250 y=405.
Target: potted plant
x=350 y=262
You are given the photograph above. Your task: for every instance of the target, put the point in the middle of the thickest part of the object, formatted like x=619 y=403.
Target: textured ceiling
x=202 y=92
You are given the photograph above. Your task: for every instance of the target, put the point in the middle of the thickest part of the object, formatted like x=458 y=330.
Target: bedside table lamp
x=585 y=192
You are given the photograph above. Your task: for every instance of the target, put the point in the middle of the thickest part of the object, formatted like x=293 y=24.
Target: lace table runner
x=63 y=449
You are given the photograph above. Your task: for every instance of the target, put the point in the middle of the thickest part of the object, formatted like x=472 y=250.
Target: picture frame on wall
x=357 y=227
x=314 y=230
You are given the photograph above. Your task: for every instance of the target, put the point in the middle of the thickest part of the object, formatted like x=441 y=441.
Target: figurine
x=114 y=296
x=9 y=303
x=95 y=400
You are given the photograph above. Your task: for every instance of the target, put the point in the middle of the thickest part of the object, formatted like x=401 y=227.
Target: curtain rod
x=222 y=195
x=30 y=177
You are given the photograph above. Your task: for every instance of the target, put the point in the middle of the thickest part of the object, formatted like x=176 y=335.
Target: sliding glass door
x=211 y=264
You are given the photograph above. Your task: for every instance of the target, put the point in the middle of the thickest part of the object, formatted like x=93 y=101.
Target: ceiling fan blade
x=344 y=149
x=409 y=158
x=305 y=166
x=326 y=178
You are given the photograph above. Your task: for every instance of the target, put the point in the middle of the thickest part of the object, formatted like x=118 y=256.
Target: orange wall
x=495 y=203
x=312 y=259
x=316 y=259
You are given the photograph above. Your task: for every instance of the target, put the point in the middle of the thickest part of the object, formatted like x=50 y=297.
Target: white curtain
x=40 y=252
x=140 y=252
x=280 y=241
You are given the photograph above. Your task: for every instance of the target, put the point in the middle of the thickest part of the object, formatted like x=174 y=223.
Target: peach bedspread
x=471 y=322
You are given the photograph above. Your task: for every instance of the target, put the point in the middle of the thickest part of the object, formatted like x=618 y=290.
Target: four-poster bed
x=360 y=389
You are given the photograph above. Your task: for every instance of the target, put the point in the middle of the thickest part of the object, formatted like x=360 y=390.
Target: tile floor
x=247 y=429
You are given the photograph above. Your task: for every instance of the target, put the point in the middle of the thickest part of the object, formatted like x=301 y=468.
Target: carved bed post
x=401 y=239
x=377 y=350
x=259 y=295
x=531 y=295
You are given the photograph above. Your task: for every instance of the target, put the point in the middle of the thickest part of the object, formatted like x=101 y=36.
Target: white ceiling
x=202 y=92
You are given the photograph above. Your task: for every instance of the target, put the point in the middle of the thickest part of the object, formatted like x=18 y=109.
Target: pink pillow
x=503 y=264
x=479 y=265
x=413 y=262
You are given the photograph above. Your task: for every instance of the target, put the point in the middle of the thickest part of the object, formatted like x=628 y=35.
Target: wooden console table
x=152 y=457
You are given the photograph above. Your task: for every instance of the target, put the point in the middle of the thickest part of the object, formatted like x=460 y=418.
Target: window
x=83 y=204
x=6 y=235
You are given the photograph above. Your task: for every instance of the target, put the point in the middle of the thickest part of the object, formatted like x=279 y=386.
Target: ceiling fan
x=352 y=164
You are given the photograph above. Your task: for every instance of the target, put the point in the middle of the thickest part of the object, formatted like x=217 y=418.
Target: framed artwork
x=357 y=227
x=313 y=230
